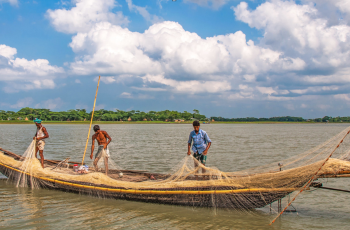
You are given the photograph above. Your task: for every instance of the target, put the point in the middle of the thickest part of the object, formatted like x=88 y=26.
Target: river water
x=158 y=148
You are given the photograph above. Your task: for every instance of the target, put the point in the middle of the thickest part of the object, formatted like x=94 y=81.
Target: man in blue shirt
x=201 y=144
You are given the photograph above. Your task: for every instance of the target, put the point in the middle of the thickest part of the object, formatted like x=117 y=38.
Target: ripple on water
x=158 y=148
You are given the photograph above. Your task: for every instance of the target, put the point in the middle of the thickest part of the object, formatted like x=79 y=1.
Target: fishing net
x=192 y=184
x=25 y=179
x=104 y=161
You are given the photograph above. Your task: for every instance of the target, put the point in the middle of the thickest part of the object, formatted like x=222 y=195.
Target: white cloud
x=39 y=67
x=110 y=49
x=234 y=96
x=299 y=30
x=144 y=96
x=106 y=80
x=299 y=43
x=330 y=9
x=299 y=91
x=345 y=97
x=50 y=104
x=7 y=52
x=343 y=5
x=190 y=86
x=77 y=81
x=84 y=15
x=148 y=89
x=315 y=89
x=25 y=102
x=143 y=12
x=136 y=96
x=266 y=90
x=12 y=2
x=209 y=3
x=126 y=95
x=184 y=60
x=22 y=74
x=249 y=77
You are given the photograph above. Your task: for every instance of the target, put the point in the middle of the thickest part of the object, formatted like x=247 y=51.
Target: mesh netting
x=191 y=183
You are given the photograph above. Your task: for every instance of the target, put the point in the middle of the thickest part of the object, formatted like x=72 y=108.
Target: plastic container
x=75 y=168
x=86 y=168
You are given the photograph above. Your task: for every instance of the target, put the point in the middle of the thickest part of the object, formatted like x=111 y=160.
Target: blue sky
x=223 y=57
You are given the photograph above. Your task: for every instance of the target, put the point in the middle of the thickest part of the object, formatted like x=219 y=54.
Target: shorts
x=200 y=157
x=40 y=144
x=100 y=152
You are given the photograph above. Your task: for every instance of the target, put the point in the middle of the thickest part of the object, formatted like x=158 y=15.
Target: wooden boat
x=222 y=197
x=193 y=190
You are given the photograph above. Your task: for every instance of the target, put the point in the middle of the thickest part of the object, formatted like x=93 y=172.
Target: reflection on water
x=38 y=208
x=158 y=148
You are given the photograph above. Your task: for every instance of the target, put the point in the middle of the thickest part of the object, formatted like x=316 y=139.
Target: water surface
x=158 y=148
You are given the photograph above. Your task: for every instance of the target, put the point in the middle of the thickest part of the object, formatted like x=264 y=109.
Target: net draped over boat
x=187 y=184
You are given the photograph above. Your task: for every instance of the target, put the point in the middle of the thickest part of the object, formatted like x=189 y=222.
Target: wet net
x=190 y=183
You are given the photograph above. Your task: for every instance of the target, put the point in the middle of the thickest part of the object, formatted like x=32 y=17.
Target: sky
x=226 y=58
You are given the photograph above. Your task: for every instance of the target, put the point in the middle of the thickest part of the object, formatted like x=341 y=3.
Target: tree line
x=284 y=119
x=136 y=115
x=100 y=115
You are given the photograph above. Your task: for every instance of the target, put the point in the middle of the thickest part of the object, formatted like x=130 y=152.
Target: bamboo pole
x=92 y=116
x=309 y=182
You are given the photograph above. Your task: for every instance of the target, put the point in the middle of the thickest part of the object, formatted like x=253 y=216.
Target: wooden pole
x=312 y=179
x=92 y=116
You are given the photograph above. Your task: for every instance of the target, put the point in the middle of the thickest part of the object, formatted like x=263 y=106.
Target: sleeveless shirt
x=40 y=133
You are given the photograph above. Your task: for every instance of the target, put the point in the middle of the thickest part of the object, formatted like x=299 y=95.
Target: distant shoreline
x=164 y=122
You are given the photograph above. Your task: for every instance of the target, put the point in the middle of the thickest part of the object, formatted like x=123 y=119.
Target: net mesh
x=191 y=183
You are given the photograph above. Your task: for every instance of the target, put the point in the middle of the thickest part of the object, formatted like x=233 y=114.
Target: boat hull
x=201 y=197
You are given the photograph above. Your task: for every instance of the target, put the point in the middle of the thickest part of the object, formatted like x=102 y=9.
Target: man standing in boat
x=201 y=144
x=101 y=137
x=40 y=135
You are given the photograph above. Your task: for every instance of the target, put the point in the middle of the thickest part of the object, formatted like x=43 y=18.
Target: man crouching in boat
x=201 y=144
x=101 y=137
x=40 y=135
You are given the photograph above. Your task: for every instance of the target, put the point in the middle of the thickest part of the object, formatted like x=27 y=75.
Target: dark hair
x=96 y=127
x=196 y=123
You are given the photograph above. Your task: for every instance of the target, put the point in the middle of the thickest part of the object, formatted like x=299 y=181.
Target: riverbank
x=160 y=122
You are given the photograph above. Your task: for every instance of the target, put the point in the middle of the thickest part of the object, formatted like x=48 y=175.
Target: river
x=158 y=148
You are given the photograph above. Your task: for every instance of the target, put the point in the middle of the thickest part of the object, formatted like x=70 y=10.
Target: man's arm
x=92 y=147
x=207 y=139
x=46 y=134
x=189 y=149
x=109 y=139
x=189 y=145
x=206 y=150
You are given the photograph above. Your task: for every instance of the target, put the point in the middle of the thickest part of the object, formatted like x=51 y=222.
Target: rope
x=92 y=116
x=309 y=182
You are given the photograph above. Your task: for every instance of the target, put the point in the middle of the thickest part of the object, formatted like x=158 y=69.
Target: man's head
x=196 y=126
x=37 y=122
x=96 y=128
